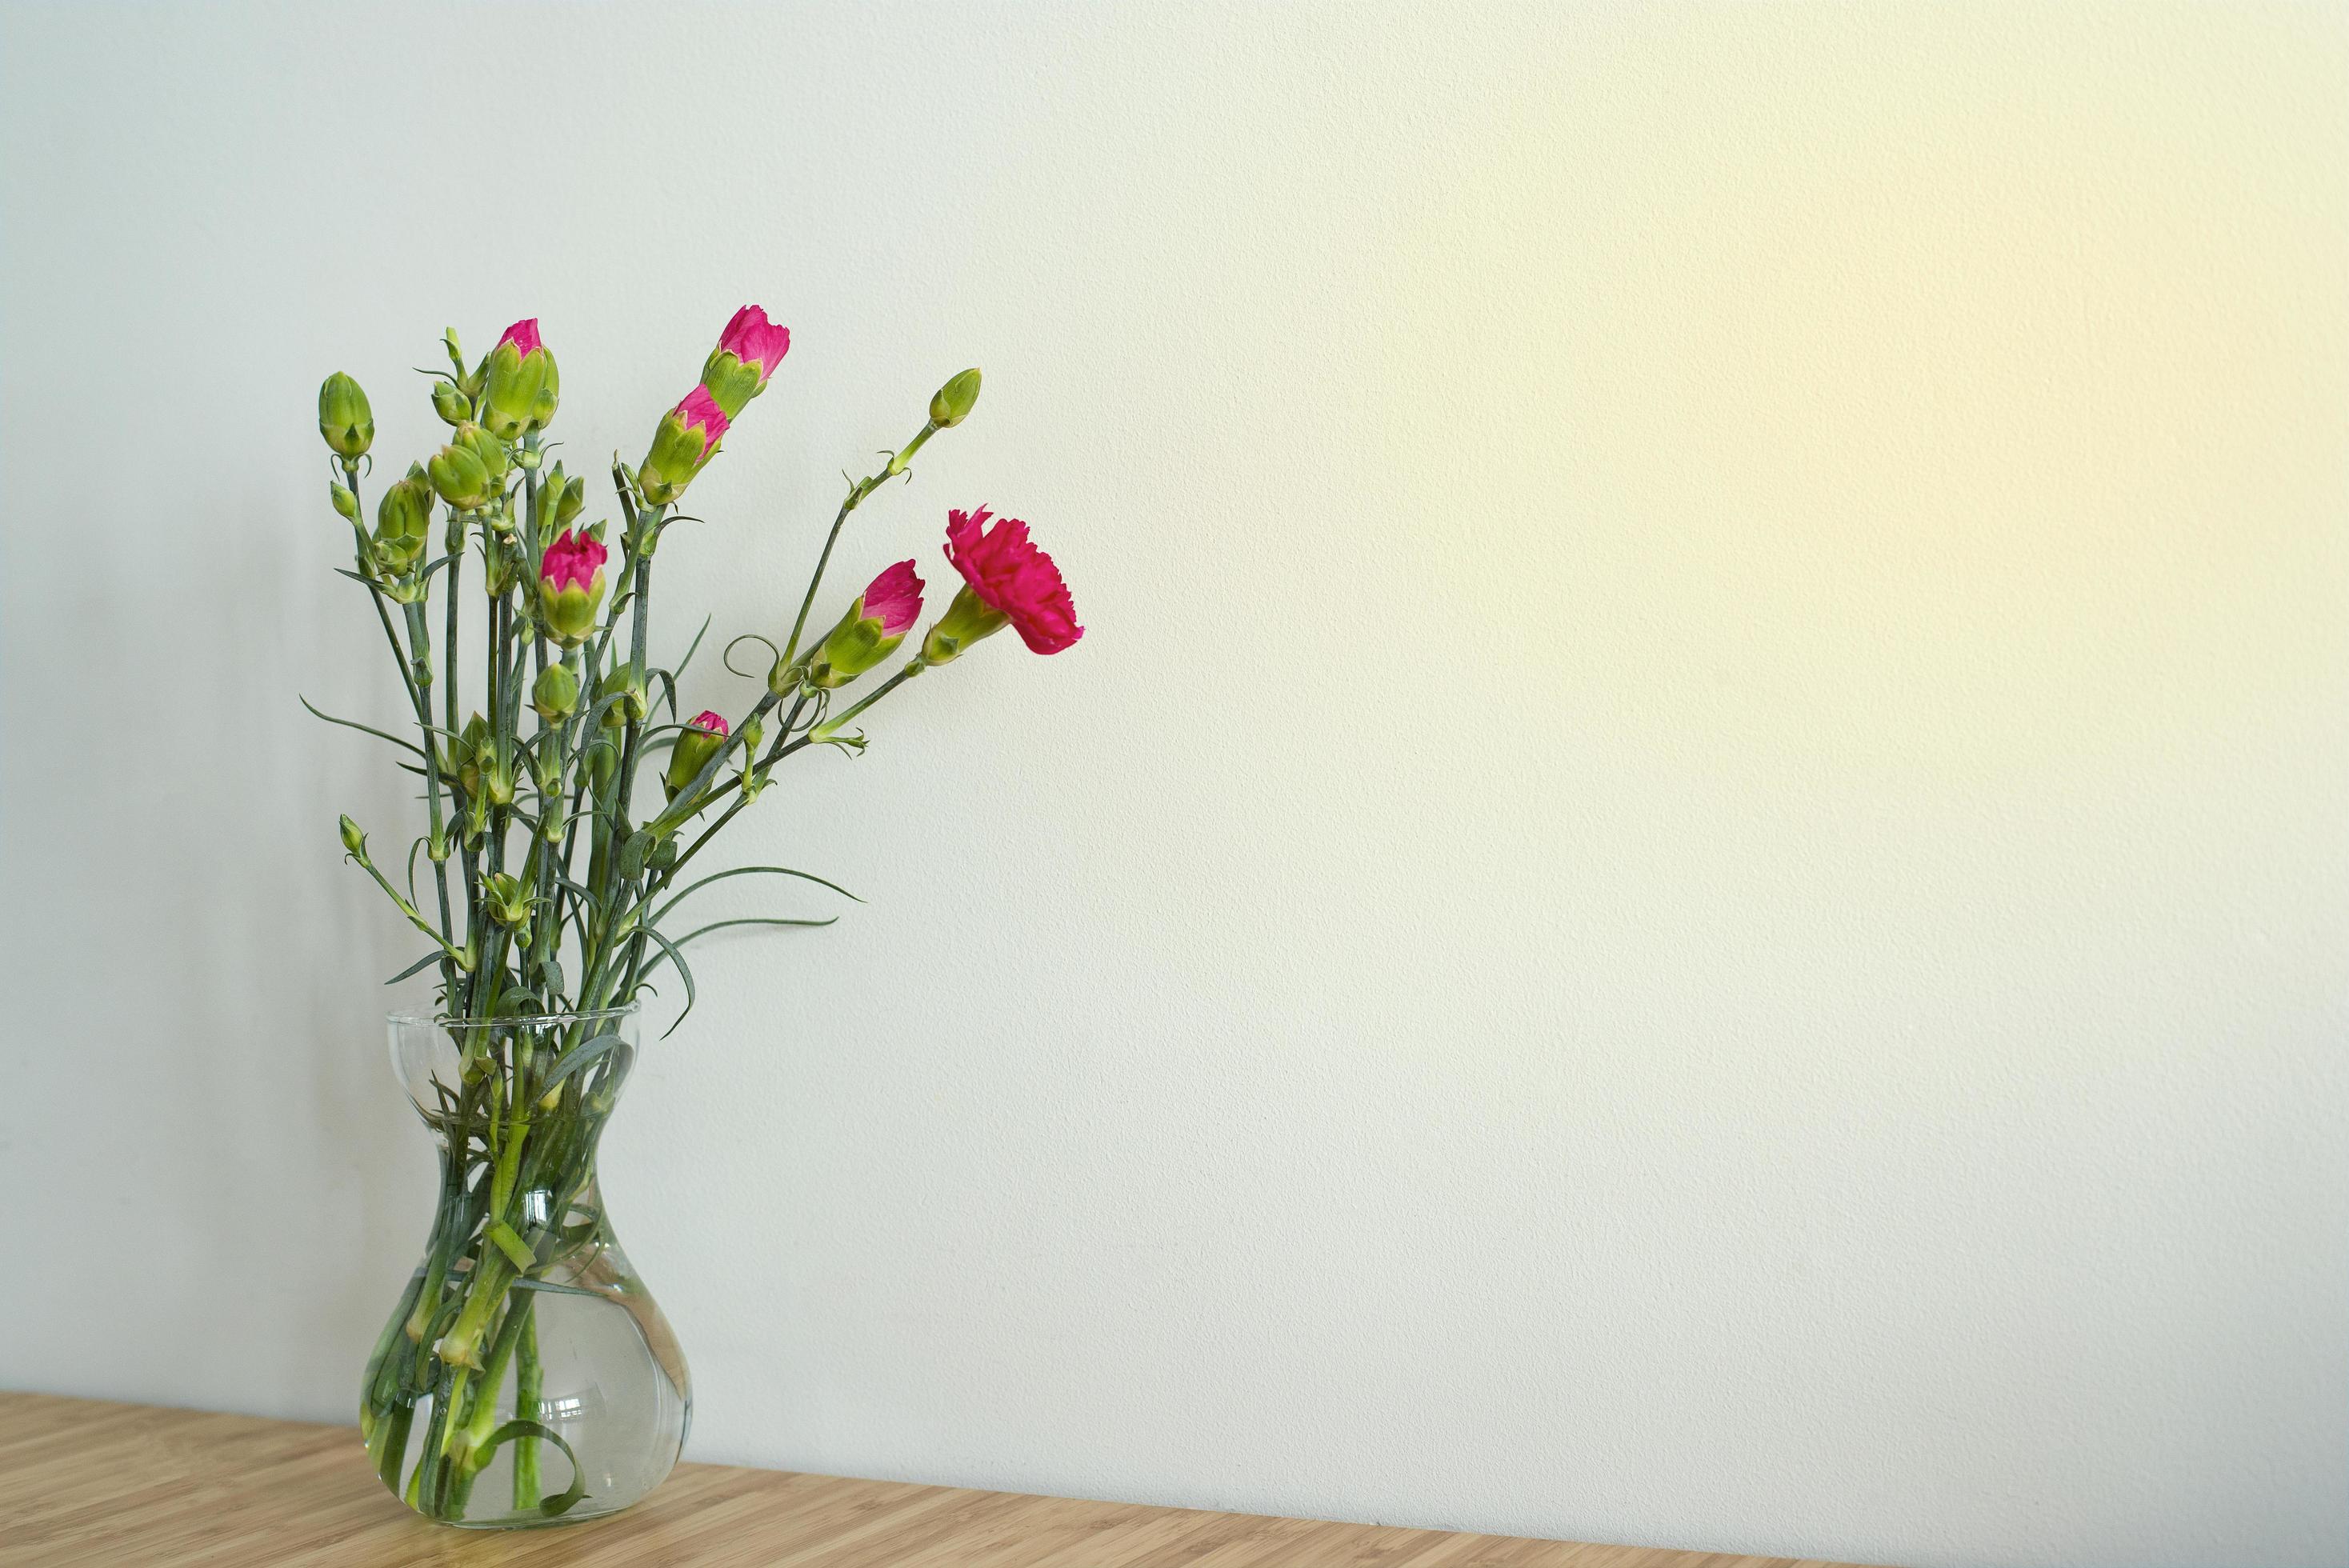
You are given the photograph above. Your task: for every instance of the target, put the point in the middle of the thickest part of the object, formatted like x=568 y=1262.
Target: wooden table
x=130 y=1486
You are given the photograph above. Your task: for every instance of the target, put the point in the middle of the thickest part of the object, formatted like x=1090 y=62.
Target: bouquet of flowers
x=555 y=870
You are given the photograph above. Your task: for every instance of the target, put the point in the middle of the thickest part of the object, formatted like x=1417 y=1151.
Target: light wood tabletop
x=129 y=1486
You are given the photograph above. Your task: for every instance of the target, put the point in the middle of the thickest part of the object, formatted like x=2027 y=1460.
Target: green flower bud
x=570 y=496
x=523 y=387
x=402 y=521
x=508 y=897
x=854 y=646
x=453 y=406
x=344 y=500
x=484 y=446
x=472 y=746
x=955 y=401
x=501 y=561
x=343 y=417
x=700 y=742
x=353 y=839
x=460 y=476
x=683 y=444
x=627 y=683
x=966 y=620
x=556 y=693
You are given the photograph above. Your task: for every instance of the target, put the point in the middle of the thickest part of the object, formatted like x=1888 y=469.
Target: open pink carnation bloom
x=1013 y=578
x=523 y=334
x=709 y=723
x=895 y=599
x=700 y=411
x=572 y=562
x=751 y=338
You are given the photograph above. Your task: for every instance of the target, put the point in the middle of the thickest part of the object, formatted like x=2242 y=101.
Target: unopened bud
x=627 y=684
x=401 y=519
x=345 y=501
x=507 y=896
x=343 y=417
x=353 y=839
x=453 y=406
x=472 y=743
x=484 y=446
x=694 y=749
x=557 y=691
x=955 y=401
x=523 y=387
x=458 y=474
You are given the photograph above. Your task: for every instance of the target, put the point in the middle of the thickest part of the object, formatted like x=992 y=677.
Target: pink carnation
x=572 y=562
x=895 y=599
x=709 y=723
x=751 y=338
x=1014 y=578
x=700 y=410
x=523 y=334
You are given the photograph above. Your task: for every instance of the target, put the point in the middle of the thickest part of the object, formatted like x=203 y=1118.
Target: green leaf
x=632 y=855
x=577 y=1057
x=668 y=950
x=752 y=920
x=751 y=870
x=564 y=1501
x=693 y=648
x=421 y=965
x=365 y=728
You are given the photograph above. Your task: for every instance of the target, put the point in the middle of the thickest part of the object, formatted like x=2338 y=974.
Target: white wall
x=1690 y=890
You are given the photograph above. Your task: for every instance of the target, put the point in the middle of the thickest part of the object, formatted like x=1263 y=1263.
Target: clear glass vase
x=526 y=1377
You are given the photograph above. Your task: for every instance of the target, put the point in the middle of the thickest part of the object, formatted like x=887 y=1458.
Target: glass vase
x=526 y=1377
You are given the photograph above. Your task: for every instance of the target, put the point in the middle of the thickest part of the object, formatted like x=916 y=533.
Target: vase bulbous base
x=526 y=1377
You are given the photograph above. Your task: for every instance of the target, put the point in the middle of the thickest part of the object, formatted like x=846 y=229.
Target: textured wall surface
x=1692 y=888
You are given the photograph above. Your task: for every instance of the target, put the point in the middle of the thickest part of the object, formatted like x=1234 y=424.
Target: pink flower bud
x=571 y=586
x=572 y=561
x=700 y=413
x=895 y=599
x=520 y=386
x=747 y=352
x=875 y=624
x=695 y=748
x=751 y=338
x=684 y=441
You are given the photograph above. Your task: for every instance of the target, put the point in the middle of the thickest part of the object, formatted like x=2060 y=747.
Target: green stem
x=528 y=1378
x=831 y=727
x=856 y=492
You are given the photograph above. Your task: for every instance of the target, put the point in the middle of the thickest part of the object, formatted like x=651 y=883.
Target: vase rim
x=448 y=1021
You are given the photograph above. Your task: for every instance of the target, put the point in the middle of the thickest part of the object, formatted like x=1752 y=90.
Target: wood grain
x=83 y=1482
